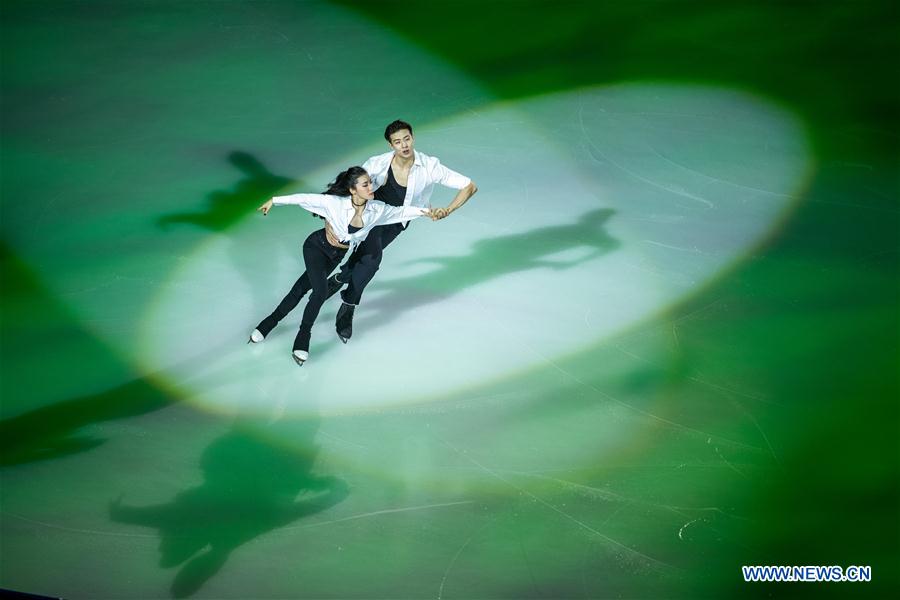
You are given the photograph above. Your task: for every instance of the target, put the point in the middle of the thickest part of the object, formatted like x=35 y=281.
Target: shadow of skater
x=491 y=258
x=251 y=486
x=225 y=208
x=58 y=429
x=55 y=430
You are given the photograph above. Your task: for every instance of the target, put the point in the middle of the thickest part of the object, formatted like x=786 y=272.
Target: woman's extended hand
x=265 y=208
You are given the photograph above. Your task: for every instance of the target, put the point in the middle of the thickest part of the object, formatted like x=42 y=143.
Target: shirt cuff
x=282 y=200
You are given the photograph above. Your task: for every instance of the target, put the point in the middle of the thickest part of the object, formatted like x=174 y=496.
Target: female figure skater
x=350 y=213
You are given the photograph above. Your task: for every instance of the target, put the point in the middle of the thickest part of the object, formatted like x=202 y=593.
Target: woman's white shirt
x=338 y=211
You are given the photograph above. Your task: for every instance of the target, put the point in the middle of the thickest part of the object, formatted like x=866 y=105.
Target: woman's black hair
x=344 y=181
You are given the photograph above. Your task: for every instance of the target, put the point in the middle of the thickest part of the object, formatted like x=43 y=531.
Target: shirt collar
x=348 y=207
x=418 y=159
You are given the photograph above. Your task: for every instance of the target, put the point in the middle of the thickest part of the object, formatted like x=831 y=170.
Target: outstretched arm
x=462 y=196
x=398 y=214
x=315 y=203
x=450 y=178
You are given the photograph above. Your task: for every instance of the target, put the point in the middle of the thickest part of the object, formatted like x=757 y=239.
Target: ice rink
x=660 y=342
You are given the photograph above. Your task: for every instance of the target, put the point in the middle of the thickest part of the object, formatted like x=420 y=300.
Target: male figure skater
x=401 y=177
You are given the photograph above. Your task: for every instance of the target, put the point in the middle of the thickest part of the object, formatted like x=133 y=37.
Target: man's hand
x=439 y=213
x=265 y=208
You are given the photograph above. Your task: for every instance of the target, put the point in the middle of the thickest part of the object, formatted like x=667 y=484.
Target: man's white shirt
x=425 y=172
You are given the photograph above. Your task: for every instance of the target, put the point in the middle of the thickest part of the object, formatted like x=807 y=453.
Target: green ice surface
x=752 y=422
